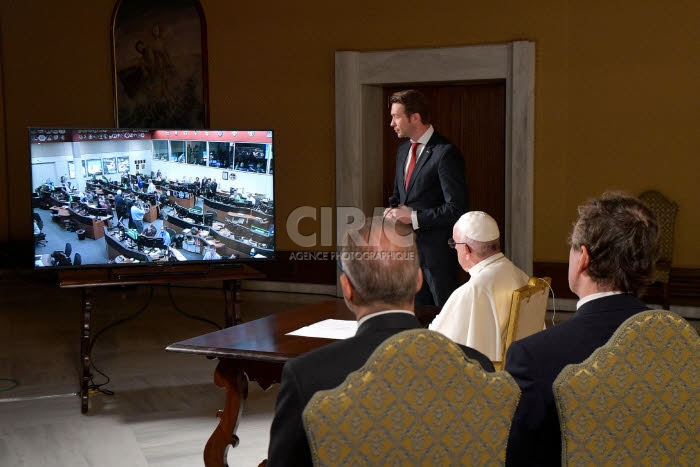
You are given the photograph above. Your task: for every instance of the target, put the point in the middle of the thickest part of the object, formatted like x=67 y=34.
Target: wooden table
x=257 y=351
x=231 y=279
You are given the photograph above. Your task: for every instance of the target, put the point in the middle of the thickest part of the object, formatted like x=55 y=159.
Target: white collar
x=370 y=316
x=484 y=263
x=426 y=136
x=594 y=296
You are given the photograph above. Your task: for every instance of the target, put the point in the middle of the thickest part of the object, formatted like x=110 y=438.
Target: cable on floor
x=14 y=383
x=97 y=387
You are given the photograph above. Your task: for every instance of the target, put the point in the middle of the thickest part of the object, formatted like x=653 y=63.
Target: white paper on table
x=328 y=329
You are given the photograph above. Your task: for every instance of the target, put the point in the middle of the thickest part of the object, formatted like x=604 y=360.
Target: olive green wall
x=615 y=100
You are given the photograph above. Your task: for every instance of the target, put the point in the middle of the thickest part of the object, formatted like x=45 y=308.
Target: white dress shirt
x=422 y=141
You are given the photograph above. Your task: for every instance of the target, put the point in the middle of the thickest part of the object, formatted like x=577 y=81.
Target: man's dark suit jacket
x=326 y=368
x=438 y=191
x=536 y=361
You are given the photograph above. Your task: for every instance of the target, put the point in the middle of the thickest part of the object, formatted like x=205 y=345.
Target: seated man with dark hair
x=612 y=256
x=150 y=231
x=380 y=277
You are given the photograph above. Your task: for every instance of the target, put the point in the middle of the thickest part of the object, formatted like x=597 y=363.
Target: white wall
x=61 y=153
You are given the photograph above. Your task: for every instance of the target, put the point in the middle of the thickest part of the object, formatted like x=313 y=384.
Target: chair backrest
x=528 y=308
x=418 y=400
x=636 y=399
x=68 y=250
x=665 y=211
x=77 y=259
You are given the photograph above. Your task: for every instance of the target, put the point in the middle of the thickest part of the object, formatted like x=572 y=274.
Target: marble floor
x=163 y=407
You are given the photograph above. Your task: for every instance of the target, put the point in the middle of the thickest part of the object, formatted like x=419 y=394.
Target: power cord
x=97 y=387
x=554 y=303
x=14 y=383
x=188 y=315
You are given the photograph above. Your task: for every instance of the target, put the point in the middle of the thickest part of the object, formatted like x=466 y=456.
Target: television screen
x=149 y=196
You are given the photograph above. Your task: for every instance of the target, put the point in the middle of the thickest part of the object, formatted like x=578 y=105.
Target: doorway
x=359 y=109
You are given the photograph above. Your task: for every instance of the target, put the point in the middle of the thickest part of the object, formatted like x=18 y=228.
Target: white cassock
x=477 y=313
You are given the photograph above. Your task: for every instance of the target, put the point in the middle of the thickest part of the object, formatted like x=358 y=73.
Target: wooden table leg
x=85 y=348
x=232 y=294
x=230 y=376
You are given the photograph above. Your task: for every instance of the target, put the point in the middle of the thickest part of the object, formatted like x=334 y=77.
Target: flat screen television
x=151 y=196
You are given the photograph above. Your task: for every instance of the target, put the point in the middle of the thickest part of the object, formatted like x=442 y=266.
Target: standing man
x=120 y=206
x=612 y=256
x=137 y=214
x=379 y=282
x=477 y=313
x=431 y=192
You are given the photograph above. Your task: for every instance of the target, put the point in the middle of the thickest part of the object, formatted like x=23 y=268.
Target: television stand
x=87 y=279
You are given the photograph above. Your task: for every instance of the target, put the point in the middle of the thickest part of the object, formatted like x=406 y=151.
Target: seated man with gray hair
x=477 y=313
x=380 y=276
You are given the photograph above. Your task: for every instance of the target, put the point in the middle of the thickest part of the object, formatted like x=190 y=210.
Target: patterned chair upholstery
x=666 y=212
x=635 y=400
x=527 y=311
x=417 y=401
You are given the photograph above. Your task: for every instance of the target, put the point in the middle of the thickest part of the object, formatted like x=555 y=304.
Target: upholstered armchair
x=418 y=400
x=635 y=400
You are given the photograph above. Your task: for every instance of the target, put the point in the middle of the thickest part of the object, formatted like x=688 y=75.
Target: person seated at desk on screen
x=380 y=290
x=150 y=231
x=613 y=251
x=102 y=203
x=477 y=313
x=165 y=236
x=210 y=253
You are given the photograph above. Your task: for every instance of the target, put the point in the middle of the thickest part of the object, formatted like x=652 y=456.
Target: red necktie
x=411 y=163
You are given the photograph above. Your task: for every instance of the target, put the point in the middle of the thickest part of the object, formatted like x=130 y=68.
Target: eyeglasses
x=452 y=244
x=342 y=271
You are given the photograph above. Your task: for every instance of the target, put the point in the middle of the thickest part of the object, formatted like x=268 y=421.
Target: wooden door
x=472 y=116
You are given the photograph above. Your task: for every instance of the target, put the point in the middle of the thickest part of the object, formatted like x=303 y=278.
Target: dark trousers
x=438 y=285
x=138 y=225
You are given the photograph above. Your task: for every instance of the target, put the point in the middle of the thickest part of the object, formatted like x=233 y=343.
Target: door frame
x=359 y=77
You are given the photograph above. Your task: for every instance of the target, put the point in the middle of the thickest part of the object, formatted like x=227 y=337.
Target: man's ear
x=419 y=280
x=584 y=259
x=348 y=291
